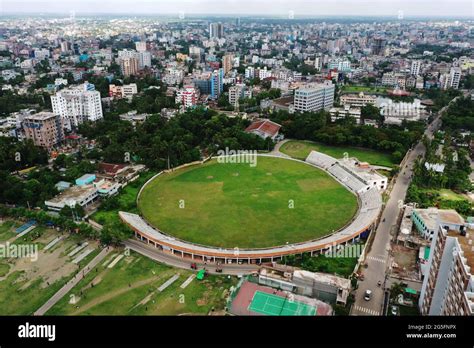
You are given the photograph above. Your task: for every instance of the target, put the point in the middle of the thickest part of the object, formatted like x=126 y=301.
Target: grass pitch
x=236 y=205
x=301 y=149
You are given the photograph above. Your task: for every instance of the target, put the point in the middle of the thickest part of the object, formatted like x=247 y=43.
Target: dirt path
x=111 y=295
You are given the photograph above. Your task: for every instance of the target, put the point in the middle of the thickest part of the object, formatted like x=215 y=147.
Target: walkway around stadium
x=370 y=204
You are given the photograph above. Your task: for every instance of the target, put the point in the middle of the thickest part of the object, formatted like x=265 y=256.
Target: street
x=378 y=256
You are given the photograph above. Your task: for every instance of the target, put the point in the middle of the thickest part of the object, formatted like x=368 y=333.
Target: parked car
x=394 y=310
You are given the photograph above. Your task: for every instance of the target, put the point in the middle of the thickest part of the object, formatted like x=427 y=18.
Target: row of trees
x=317 y=126
x=185 y=138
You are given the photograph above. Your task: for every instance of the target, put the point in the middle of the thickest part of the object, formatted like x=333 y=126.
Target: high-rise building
x=314 y=98
x=77 y=104
x=378 y=46
x=44 y=128
x=144 y=60
x=142 y=57
x=227 y=62
x=129 y=66
x=238 y=92
x=216 y=30
x=217 y=83
x=454 y=77
x=415 y=67
x=448 y=286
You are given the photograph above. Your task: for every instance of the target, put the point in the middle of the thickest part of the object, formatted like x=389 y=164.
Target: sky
x=409 y=8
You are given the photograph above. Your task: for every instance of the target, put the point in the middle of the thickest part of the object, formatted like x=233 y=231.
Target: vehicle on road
x=368 y=295
x=379 y=283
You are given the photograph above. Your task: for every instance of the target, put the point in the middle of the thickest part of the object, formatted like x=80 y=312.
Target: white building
x=358 y=100
x=77 y=104
x=187 y=96
x=415 y=67
x=238 y=92
x=75 y=195
x=448 y=285
x=314 y=97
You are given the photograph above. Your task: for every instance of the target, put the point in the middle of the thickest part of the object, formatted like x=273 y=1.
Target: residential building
x=227 y=63
x=77 y=104
x=216 y=30
x=187 y=96
x=237 y=92
x=129 y=66
x=415 y=67
x=448 y=285
x=44 y=128
x=125 y=91
x=427 y=221
x=217 y=83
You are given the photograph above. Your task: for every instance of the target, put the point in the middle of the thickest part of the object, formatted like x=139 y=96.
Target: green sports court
x=269 y=304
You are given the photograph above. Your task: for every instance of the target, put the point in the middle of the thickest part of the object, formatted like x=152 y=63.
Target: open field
x=365 y=89
x=301 y=149
x=236 y=205
x=131 y=287
x=28 y=282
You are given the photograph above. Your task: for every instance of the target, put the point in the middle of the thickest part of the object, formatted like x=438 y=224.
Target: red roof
x=110 y=168
x=264 y=126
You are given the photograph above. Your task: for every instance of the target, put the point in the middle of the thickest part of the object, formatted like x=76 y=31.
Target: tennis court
x=270 y=304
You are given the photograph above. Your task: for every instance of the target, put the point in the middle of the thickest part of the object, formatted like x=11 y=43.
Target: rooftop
x=73 y=193
x=467 y=245
x=264 y=126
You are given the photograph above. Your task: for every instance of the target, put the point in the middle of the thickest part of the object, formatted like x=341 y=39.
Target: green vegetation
x=430 y=188
x=460 y=115
x=185 y=138
x=342 y=266
x=365 y=89
x=316 y=126
x=130 y=288
x=236 y=205
x=301 y=150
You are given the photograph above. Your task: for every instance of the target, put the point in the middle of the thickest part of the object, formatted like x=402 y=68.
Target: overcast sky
x=425 y=8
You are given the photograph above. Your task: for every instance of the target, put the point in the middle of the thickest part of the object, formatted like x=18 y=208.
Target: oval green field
x=230 y=205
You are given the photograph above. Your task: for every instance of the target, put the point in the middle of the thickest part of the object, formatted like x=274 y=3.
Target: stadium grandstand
x=370 y=204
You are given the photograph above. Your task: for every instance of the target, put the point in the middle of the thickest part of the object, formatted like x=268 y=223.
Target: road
x=378 y=256
x=175 y=261
x=73 y=282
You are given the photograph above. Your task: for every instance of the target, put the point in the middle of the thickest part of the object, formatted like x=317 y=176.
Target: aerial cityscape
x=206 y=161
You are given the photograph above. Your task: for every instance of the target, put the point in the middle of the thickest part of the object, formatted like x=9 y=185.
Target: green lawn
x=450 y=195
x=7 y=230
x=365 y=89
x=301 y=149
x=130 y=288
x=235 y=205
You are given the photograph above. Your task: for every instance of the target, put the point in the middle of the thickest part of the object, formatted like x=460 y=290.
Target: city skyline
x=298 y=8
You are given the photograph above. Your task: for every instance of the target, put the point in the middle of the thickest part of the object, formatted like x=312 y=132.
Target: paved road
x=378 y=257
x=73 y=282
x=175 y=261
